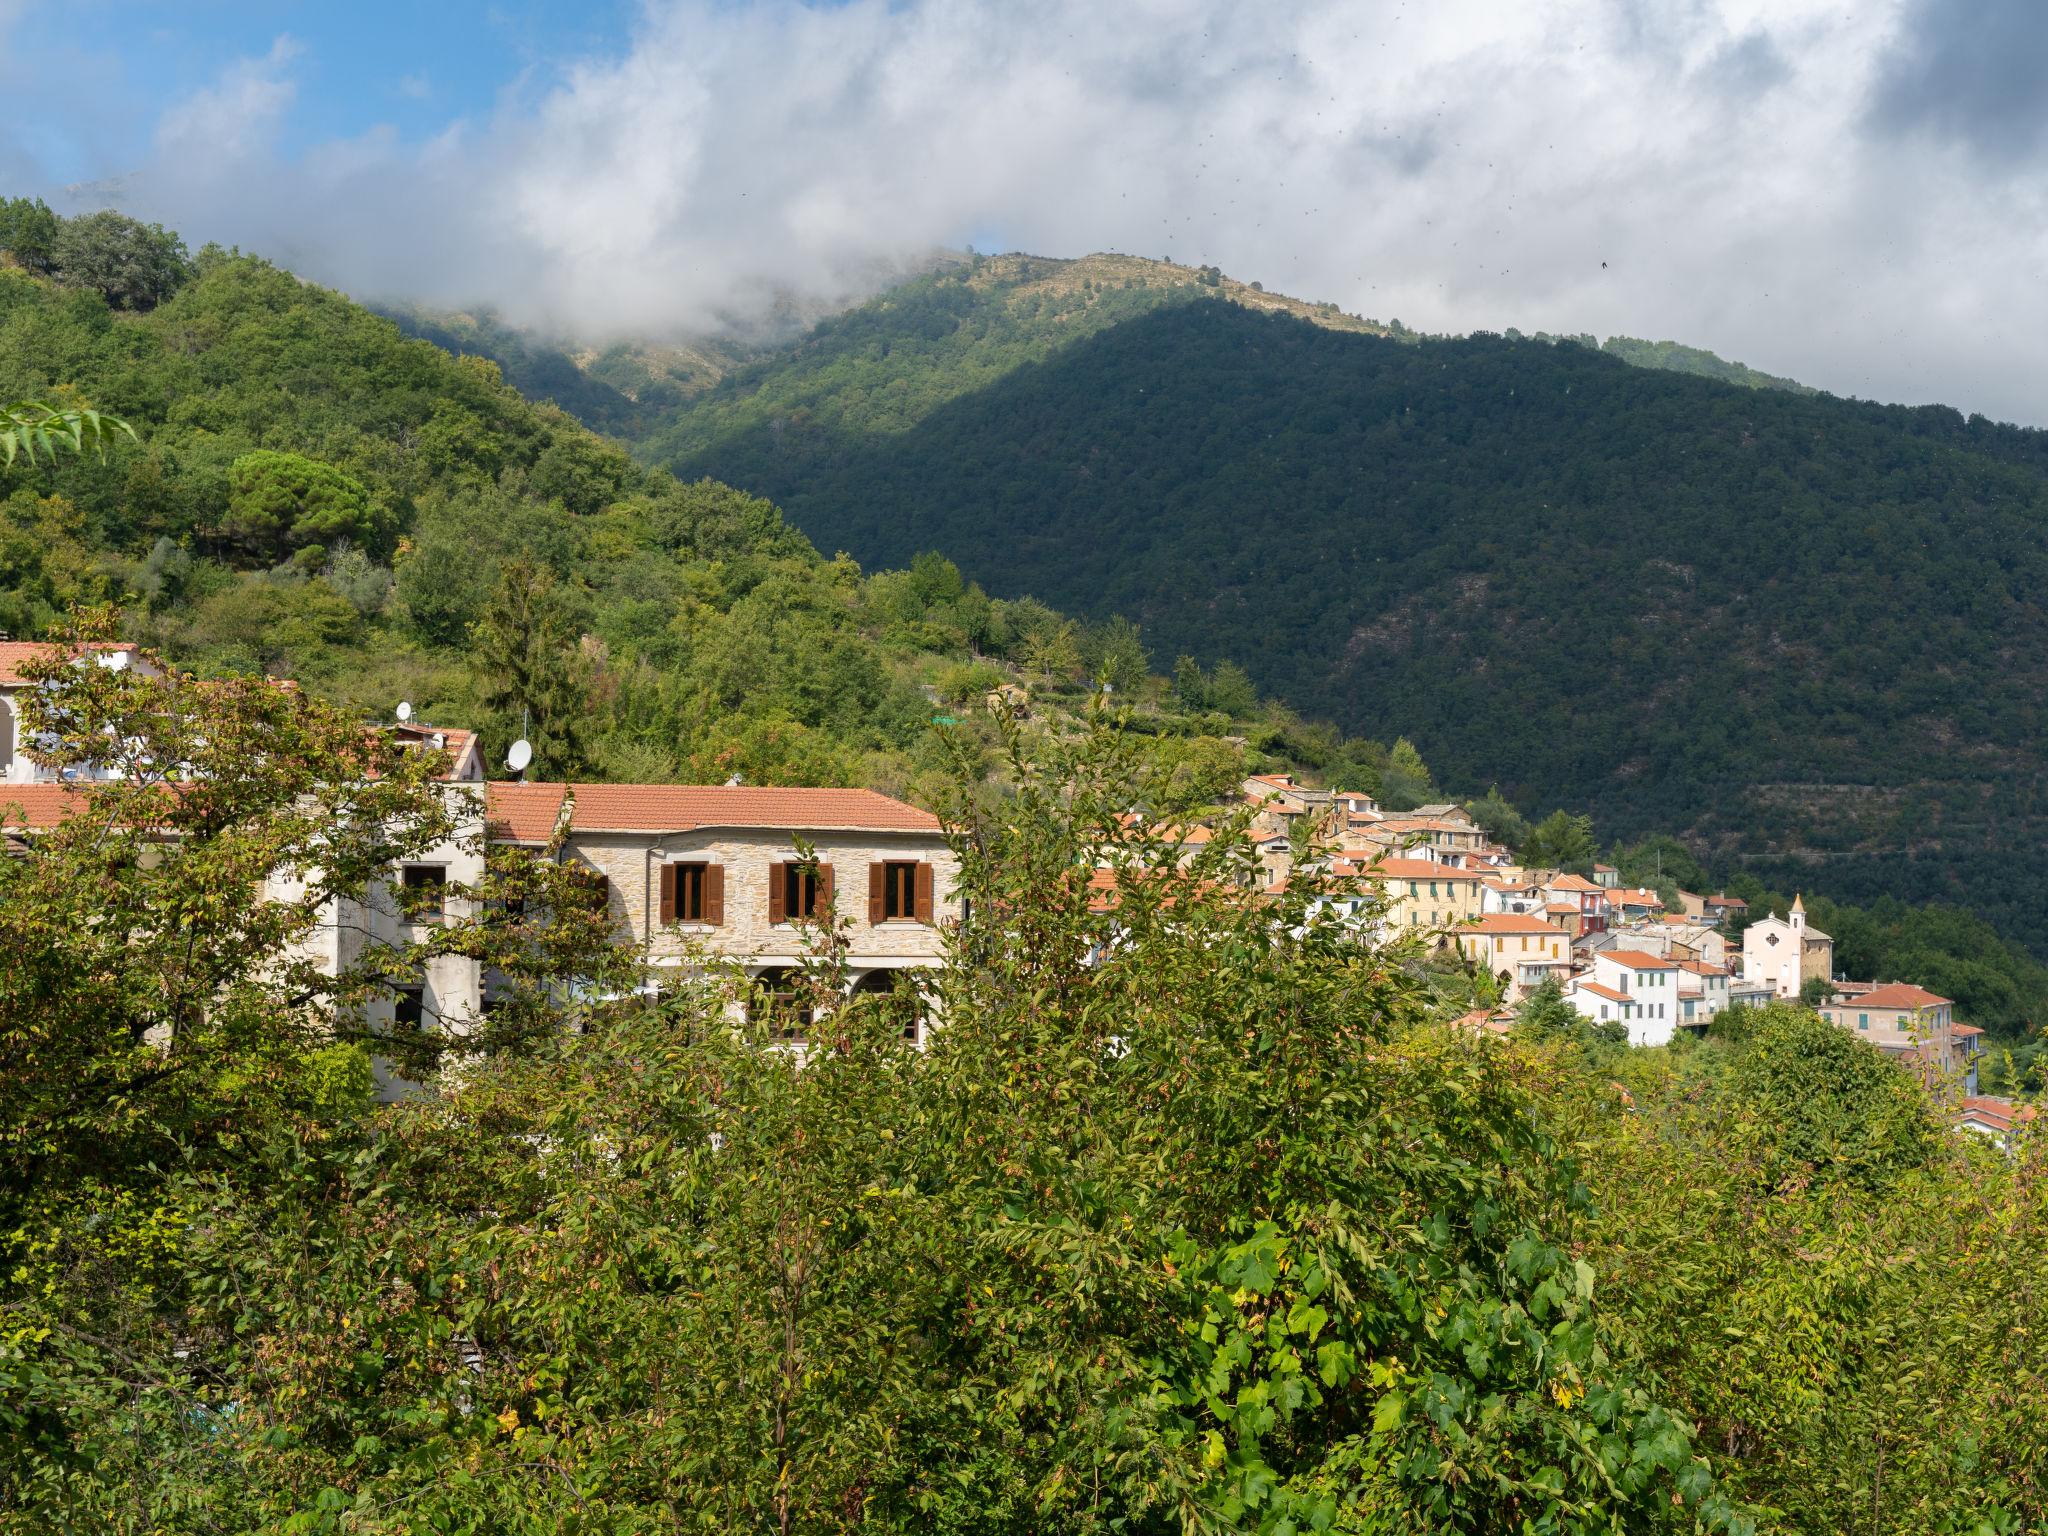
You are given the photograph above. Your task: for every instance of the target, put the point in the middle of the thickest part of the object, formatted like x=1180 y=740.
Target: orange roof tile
x=522 y=813
x=1599 y=990
x=1514 y=922
x=39 y=806
x=684 y=807
x=1417 y=869
x=15 y=654
x=1573 y=883
x=1900 y=994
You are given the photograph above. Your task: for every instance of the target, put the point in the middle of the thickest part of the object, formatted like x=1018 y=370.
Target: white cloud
x=1458 y=163
x=234 y=119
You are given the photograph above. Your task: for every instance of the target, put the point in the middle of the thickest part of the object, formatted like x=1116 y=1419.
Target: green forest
x=1803 y=633
x=311 y=494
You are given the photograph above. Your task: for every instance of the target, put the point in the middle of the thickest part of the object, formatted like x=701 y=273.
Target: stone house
x=694 y=872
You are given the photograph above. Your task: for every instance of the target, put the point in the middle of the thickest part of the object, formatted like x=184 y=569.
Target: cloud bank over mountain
x=1852 y=196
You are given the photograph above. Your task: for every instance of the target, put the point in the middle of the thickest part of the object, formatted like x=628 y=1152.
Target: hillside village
x=737 y=873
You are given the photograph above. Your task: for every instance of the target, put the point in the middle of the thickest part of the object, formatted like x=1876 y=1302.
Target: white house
x=1650 y=982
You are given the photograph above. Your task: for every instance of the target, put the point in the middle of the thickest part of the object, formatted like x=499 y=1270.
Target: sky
x=1850 y=192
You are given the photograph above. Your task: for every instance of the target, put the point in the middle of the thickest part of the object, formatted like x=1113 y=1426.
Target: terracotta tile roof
x=1703 y=968
x=1561 y=906
x=38 y=806
x=15 y=654
x=1726 y=901
x=1598 y=990
x=1573 y=883
x=1965 y=1031
x=1419 y=869
x=1997 y=1114
x=685 y=807
x=521 y=813
x=1900 y=994
x=1638 y=960
x=1515 y=922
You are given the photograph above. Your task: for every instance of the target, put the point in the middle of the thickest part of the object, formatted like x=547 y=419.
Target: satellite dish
x=404 y=710
x=114 y=661
x=520 y=755
x=440 y=740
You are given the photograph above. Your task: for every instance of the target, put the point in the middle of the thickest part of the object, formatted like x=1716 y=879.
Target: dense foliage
x=315 y=496
x=1801 y=631
x=1190 y=1218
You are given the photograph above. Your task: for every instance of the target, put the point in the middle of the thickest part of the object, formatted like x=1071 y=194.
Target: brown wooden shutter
x=924 y=893
x=778 y=912
x=824 y=903
x=668 y=893
x=878 y=908
x=714 y=894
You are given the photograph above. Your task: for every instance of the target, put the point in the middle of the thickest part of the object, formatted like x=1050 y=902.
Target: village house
x=1589 y=899
x=417 y=896
x=1996 y=1118
x=1597 y=1002
x=715 y=872
x=1702 y=992
x=1899 y=1019
x=1518 y=950
x=1419 y=893
x=1508 y=893
x=17 y=759
x=1720 y=910
x=1786 y=952
x=1650 y=982
x=1631 y=904
x=1606 y=876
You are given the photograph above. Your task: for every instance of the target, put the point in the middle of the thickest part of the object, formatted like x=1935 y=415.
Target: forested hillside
x=313 y=495
x=1804 y=632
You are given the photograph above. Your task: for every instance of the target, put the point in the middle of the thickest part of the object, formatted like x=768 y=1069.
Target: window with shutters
x=899 y=891
x=685 y=899
x=799 y=891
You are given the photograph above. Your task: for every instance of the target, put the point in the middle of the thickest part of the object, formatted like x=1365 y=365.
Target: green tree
x=282 y=501
x=1827 y=1104
x=1562 y=841
x=532 y=672
x=1231 y=692
x=1190 y=687
x=1114 y=653
x=1499 y=819
x=130 y=264
x=28 y=233
x=1405 y=782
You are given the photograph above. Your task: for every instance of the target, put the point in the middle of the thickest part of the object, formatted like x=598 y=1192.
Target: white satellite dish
x=404 y=709
x=520 y=755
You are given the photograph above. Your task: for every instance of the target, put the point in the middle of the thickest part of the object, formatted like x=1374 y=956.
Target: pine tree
x=531 y=673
